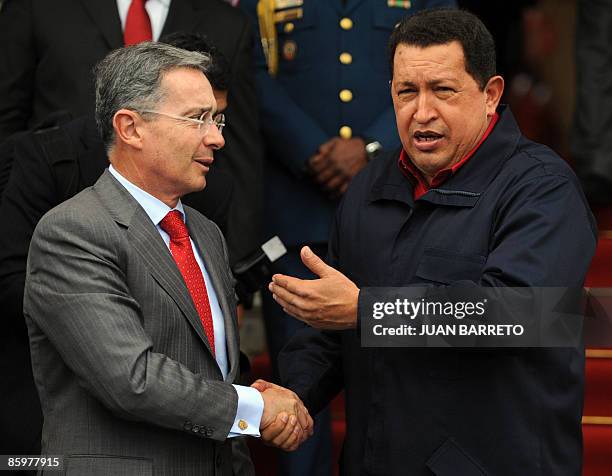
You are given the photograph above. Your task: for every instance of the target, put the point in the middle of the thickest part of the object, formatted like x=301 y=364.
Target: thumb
x=314 y=263
x=261 y=385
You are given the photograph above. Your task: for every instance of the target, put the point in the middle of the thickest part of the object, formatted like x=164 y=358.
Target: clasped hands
x=336 y=162
x=285 y=422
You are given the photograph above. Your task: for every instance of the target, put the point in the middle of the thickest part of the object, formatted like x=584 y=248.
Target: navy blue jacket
x=300 y=108
x=513 y=215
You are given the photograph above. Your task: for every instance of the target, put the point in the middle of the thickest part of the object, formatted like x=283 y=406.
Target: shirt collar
x=154 y=207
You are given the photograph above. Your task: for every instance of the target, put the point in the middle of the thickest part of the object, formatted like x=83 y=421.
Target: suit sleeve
x=77 y=295
x=292 y=134
x=17 y=66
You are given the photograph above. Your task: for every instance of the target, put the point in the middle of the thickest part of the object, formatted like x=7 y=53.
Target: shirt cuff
x=248 y=415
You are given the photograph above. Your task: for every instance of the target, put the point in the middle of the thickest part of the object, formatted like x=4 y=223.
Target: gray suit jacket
x=126 y=378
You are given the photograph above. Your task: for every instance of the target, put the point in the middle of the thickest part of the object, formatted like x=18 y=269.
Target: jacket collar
x=464 y=188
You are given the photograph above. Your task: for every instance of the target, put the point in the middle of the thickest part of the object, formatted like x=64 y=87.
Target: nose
x=425 y=111
x=213 y=138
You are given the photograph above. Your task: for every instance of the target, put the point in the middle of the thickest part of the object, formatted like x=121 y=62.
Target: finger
x=327 y=147
x=314 y=263
x=274 y=429
x=282 y=294
x=325 y=174
x=335 y=183
x=303 y=417
x=288 y=436
x=299 y=287
x=293 y=311
x=344 y=187
x=317 y=163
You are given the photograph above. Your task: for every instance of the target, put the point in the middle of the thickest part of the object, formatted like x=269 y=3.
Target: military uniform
x=322 y=71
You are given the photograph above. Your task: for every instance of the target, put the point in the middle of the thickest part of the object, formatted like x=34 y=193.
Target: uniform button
x=346 y=58
x=346 y=23
x=243 y=425
x=346 y=95
x=346 y=132
x=288 y=28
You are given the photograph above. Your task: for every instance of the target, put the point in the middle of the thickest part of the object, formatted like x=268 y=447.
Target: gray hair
x=130 y=78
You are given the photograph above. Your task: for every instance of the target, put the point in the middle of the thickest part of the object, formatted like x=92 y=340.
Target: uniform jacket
x=50 y=48
x=301 y=107
x=513 y=215
x=127 y=381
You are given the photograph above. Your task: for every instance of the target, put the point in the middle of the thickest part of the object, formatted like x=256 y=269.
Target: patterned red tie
x=137 y=24
x=181 y=250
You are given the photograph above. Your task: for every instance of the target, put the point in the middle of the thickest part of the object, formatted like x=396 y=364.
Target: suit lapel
x=106 y=16
x=150 y=246
x=203 y=236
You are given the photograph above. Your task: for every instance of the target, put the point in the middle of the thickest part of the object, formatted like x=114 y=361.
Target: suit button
x=346 y=58
x=203 y=431
x=346 y=95
x=209 y=432
x=346 y=132
x=346 y=23
x=195 y=428
x=289 y=27
x=188 y=425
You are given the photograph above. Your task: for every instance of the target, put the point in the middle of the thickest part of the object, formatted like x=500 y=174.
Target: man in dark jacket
x=471 y=202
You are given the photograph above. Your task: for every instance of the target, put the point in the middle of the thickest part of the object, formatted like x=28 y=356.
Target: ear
x=128 y=127
x=494 y=90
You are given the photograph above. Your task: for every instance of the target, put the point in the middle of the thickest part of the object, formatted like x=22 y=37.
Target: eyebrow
x=433 y=82
x=199 y=110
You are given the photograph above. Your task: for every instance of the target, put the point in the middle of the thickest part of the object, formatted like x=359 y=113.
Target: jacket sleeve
x=77 y=297
x=17 y=66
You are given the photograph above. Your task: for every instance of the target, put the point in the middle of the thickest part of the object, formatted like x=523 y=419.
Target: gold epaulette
x=267 y=31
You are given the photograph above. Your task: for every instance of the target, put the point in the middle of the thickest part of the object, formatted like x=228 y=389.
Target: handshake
x=285 y=422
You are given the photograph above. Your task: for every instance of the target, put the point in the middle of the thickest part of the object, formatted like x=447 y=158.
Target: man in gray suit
x=129 y=299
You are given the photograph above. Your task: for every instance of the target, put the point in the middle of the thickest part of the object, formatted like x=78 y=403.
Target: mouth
x=204 y=162
x=427 y=141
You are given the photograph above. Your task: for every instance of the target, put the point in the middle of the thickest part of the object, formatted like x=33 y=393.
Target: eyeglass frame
x=218 y=119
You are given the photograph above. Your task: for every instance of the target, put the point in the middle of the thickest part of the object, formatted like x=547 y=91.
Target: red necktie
x=181 y=250
x=137 y=24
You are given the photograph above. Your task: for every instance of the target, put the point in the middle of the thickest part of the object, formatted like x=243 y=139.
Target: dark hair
x=445 y=25
x=218 y=73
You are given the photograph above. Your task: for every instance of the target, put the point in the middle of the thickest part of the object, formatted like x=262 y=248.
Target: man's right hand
x=285 y=422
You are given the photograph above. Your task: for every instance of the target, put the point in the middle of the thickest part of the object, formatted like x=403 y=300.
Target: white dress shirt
x=250 y=402
x=157 y=10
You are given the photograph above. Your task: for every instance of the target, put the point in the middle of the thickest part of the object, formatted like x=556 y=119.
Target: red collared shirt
x=421 y=188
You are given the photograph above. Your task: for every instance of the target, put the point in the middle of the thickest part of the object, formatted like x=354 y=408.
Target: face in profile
x=180 y=152
x=440 y=109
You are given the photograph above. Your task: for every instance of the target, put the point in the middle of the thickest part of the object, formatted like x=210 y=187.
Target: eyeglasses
x=204 y=121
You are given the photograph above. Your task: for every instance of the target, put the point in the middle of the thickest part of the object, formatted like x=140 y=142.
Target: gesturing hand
x=326 y=303
x=285 y=422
